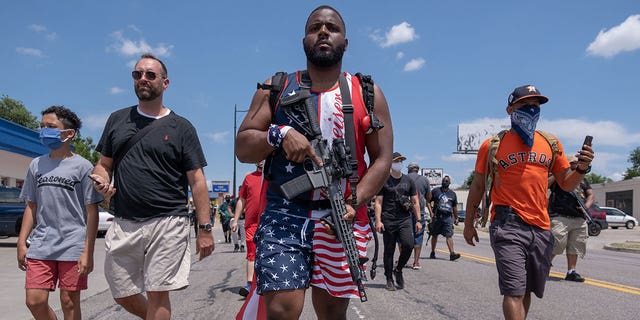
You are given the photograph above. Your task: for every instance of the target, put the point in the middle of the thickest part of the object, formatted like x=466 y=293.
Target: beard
x=147 y=93
x=324 y=58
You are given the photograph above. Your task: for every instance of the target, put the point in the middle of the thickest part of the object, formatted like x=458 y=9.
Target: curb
x=613 y=248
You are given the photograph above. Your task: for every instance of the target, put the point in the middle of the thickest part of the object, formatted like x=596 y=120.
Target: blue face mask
x=50 y=137
x=524 y=120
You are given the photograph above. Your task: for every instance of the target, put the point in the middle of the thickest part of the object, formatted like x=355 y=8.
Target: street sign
x=221 y=188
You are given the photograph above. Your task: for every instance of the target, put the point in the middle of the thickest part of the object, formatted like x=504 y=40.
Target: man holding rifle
x=294 y=248
x=568 y=221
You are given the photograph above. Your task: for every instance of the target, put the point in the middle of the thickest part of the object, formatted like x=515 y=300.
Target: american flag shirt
x=293 y=248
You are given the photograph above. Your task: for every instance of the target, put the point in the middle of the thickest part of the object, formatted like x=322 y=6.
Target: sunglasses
x=149 y=75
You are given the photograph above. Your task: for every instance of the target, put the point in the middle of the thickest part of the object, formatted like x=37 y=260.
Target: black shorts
x=226 y=225
x=443 y=225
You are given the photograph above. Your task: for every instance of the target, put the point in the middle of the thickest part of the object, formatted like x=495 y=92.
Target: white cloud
x=605 y=133
x=572 y=131
x=38 y=28
x=399 y=55
x=400 y=33
x=623 y=37
x=457 y=157
x=414 y=64
x=43 y=29
x=29 y=52
x=51 y=36
x=131 y=47
x=218 y=137
x=95 y=122
x=116 y=90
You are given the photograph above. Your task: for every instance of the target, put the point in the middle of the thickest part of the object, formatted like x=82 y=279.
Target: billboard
x=434 y=175
x=472 y=135
x=220 y=186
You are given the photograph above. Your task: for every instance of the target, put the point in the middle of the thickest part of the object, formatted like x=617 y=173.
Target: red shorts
x=44 y=274
x=251 y=246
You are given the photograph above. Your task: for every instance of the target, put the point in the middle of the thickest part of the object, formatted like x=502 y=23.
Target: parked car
x=104 y=221
x=461 y=215
x=11 y=211
x=599 y=220
x=617 y=218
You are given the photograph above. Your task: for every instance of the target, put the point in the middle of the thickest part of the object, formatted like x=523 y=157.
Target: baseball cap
x=572 y=158
x=413 y=165
x=397 y=156
x=526 y=91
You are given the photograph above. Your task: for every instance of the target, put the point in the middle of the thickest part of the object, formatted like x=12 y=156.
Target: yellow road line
x=589 y=281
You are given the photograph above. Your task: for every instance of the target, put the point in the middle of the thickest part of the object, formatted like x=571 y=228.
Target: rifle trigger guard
x=328 y=220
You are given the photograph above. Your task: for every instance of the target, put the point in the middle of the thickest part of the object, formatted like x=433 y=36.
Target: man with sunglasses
x=149 y=158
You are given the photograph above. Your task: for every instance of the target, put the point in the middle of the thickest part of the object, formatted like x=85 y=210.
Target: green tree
x=86 y=148
x=634 y=158
x=467 y=182
x=596 y=178
x=15 y=111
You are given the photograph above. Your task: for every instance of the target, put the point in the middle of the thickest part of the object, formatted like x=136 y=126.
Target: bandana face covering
x=524 y=120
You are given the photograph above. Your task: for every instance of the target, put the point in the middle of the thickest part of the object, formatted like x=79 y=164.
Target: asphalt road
x=464 y=289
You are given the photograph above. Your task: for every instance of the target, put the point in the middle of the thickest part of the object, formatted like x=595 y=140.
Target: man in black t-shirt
x=443 y=216
x=394 y=205
x=148 y=242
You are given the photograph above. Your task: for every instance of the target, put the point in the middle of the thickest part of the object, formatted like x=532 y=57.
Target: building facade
x=18 y=146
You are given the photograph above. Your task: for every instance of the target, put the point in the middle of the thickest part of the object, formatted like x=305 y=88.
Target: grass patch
x=626 y=245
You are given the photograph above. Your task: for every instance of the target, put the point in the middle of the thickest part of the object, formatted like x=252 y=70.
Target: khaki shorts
x=570 y=233
x=152 y=255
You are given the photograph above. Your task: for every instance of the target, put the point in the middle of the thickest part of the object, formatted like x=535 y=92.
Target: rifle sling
x=349 y=132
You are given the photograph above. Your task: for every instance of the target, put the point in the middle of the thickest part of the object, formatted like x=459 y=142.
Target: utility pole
x=235 y=130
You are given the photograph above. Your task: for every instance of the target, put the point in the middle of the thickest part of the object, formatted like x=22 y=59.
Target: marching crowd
x=150 y=157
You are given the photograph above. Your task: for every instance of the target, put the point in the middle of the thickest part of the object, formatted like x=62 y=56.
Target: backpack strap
x=368 y=96
x=553 y=143
x=278 y=83
x=491 y=174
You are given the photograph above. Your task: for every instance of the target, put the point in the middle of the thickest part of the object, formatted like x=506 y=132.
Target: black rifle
x=336 y=165
x=593 y=226
x=374 y=259
x=587 y=216
x=429 y=230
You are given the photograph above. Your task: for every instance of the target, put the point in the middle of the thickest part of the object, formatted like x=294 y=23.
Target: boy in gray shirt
x=62 y=211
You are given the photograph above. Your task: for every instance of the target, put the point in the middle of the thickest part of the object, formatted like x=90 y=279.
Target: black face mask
x=445 y=184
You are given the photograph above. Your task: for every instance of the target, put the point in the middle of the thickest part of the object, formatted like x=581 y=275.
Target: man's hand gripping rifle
x=337 y=164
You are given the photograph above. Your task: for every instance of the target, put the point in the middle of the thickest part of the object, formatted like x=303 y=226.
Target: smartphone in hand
x=587 y=140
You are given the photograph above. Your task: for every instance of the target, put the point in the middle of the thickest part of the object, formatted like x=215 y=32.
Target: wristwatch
x=580 y=171
x=205 y=227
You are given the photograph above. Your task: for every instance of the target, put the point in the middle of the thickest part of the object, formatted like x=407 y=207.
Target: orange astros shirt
x=523 y=173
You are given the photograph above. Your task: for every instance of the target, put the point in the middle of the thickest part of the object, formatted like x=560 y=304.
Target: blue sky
x=439 y=64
